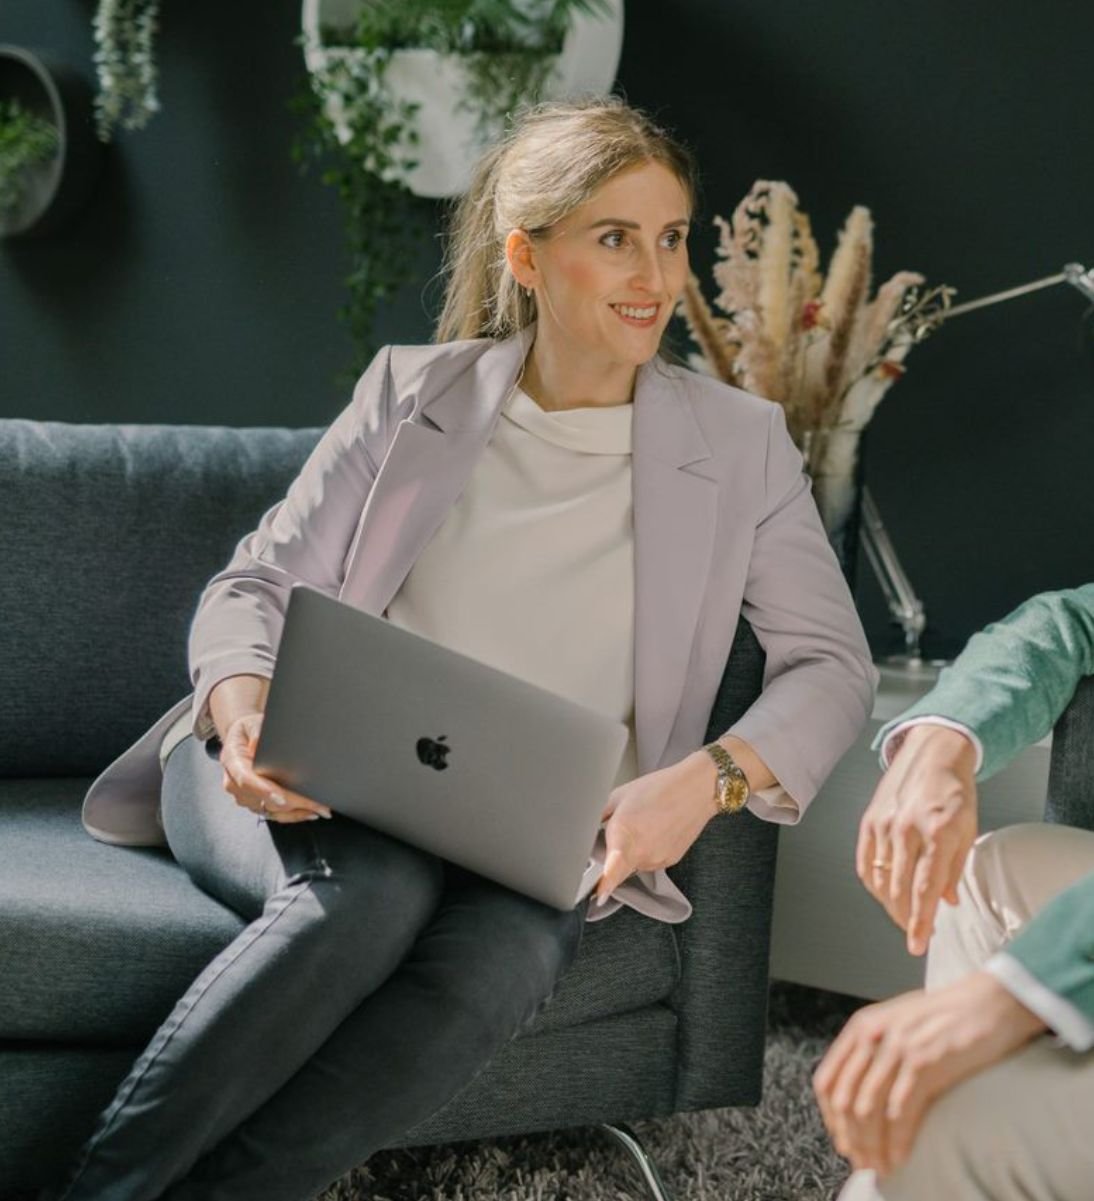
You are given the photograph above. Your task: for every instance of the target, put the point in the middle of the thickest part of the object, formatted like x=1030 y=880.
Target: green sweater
x=1009 y=686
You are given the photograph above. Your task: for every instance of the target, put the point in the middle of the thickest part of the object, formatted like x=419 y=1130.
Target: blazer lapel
x=675 y=513
x=424 y=471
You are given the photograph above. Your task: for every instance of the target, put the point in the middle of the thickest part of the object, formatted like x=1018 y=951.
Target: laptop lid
x=433 y=747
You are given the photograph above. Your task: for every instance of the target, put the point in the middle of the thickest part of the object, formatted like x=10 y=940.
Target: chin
x=642 y=352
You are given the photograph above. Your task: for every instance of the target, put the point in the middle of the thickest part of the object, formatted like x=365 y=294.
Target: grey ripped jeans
x=372 y=983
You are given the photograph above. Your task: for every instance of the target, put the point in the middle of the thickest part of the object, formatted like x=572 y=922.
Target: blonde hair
x=548 y=163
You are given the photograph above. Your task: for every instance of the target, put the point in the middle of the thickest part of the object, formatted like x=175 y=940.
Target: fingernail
x=325 y=813
x=602 y=899
x=314 y=818
x=277 y=799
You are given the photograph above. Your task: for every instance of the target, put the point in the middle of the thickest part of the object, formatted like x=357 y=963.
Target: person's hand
x=252 y=791
x=893 y=1059
x=917 y=830
x=653 y=820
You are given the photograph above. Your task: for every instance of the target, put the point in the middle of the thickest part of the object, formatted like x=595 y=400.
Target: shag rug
x=776 y=1152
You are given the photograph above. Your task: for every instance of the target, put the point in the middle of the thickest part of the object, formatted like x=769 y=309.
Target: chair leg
x=627 y=1138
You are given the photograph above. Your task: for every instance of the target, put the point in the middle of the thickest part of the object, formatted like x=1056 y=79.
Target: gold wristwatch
x=731 y=788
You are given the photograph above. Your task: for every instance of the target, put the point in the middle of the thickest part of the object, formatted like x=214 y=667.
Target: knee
x=364 y=880
x=1000 y=850
x=502 y=991
x=963 y=1147
x=1017 y=860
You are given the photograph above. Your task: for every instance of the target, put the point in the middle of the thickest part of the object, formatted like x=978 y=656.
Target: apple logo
x=432 y=752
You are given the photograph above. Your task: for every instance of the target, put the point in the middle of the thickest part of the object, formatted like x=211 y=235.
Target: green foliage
x=125 y=62
x=26 y=139
x=465 y=26
x=384 y=220
x=509 y=49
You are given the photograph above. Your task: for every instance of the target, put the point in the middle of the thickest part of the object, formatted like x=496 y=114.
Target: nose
x=648 y=274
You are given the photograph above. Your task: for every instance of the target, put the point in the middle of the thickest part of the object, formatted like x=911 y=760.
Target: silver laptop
x=439 y=750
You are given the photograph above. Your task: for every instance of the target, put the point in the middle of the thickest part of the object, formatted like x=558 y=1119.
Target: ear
x=520 y=254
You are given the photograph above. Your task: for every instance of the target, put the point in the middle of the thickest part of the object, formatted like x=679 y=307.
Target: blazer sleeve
x=1013 y=680
x=1057 y=947
x=819 y=678
x=304 y=538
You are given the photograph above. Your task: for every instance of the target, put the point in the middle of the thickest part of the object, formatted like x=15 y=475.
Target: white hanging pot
x=450 y=137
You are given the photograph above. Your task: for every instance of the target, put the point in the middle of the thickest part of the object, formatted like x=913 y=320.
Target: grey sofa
x=96 y=942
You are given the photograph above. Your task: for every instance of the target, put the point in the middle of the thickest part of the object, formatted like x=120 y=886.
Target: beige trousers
x=1023 y=1130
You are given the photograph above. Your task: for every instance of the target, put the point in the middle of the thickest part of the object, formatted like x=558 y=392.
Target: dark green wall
x=202 y=283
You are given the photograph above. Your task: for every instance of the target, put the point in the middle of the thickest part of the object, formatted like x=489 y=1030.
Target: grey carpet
x=776 y=1152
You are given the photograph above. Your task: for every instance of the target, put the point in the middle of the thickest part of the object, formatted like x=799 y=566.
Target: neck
x=566 y=381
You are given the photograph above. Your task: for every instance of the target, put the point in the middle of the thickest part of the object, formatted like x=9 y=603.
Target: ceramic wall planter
x=55 y=189
x=449 y=138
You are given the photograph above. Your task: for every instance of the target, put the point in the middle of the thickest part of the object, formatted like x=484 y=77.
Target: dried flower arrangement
x=125 y=61
x=820 y=347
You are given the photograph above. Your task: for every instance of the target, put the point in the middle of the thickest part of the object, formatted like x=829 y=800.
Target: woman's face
x=607 y=277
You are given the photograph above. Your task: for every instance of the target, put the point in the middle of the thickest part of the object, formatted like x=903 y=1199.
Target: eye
x=613 y=239
x=674 y=239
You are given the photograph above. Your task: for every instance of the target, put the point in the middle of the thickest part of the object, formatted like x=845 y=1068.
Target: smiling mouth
x=633 y=314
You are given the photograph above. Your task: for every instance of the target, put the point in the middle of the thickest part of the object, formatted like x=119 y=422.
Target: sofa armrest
x=1070 y=798
x=729 y=877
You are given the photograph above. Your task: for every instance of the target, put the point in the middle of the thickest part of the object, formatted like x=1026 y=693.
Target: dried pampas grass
x=819 y=346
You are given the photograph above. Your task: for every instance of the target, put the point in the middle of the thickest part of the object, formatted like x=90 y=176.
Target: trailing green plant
x=384 y=220
x=508 y=48
x=26 y=139
x=125 y=32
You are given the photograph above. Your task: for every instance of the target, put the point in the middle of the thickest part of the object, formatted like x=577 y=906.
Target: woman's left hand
x=652 y=821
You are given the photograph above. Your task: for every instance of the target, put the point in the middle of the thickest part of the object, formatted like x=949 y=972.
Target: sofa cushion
x=97 y=942
x=108 y=533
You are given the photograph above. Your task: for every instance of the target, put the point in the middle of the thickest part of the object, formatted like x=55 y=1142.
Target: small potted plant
x=49 y=155
x=28 y=144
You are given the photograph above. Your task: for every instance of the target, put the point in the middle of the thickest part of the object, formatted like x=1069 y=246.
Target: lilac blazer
x=724 y=524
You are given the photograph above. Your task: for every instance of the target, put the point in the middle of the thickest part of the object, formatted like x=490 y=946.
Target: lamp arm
x=1073 y=273
x=905 y=607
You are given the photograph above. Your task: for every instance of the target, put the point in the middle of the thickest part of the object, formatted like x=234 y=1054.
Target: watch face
x=737 y=793
x=732 y=786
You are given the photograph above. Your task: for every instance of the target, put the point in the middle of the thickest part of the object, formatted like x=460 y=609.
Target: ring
x=882 y=865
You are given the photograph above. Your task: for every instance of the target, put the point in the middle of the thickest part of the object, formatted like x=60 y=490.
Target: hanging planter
x=49 y=155
x=403 y=96
x=450 y=105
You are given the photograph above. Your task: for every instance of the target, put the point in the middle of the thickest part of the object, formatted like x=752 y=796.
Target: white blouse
x=532 y=572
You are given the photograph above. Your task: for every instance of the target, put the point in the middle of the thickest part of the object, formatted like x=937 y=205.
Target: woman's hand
x=917 y=830
x=892 y=1060
x=256 y=792
x=652 y=821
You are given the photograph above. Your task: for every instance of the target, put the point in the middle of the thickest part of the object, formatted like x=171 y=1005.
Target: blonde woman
x=542 y=491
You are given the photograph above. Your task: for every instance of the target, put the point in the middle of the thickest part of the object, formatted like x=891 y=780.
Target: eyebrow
x=619 y=223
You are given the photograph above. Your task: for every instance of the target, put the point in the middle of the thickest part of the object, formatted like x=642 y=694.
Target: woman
x=481 y=492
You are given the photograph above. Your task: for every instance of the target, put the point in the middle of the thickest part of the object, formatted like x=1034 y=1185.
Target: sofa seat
x=104 y=963
x=97 y=942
